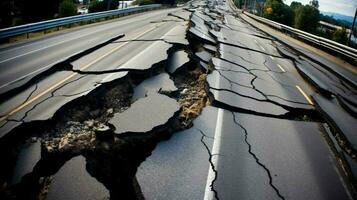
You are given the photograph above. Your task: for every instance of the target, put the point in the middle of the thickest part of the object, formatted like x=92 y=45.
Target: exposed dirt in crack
x=73 y=131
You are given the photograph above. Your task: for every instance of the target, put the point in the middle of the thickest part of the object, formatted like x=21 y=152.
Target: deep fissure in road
x=76 y=128
x=87 y=128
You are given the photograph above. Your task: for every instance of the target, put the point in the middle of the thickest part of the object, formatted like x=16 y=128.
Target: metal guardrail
x=38 y=26
x=333 y=46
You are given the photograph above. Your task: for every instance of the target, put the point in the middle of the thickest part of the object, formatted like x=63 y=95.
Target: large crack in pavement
x=74 y=130
x=59 y=66
x=92 y=125
x=256 y=158
x=212 y=165
x=52 y=94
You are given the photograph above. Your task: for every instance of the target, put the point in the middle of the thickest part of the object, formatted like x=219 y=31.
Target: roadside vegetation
x=303 y=17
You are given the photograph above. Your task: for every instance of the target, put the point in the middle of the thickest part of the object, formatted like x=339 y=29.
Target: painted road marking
x=305 y=95
x=209 y=195
x=262 y=48
x=21 y=106
x=281 y=68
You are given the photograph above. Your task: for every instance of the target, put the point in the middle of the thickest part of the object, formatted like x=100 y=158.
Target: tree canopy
x=97 y=6
x=307 y=18
x=277 y=11
x=67 y=8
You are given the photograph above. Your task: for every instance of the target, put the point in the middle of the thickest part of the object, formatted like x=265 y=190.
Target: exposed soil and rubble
x=208 y=68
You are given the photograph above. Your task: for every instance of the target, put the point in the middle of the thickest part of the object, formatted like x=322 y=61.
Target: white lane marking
x=105 y=79
x=23 y=105
x=103 y=28
x=262 y=48
x=305 y=95
x=272 y=57
x=209 y=194
x=46 y=47
x=281 y=68
x=29 y=74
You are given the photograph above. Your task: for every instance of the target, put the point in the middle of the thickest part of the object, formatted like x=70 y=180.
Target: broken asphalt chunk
x=182 y=14
x=181 y=158
x=27 y=81
x=204 y=56
x=160 y=83
x=72 y=181
x=177 y=35
x=145 y=114
x=212 y=49
x=239 y=97
x=28 y=157
x=314 y=76
x=340 y=119
x=202 y=35
x=177 y=60
x=153 y=54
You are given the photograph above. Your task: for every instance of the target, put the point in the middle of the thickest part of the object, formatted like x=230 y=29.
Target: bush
x=98 y=6
x=67 y=8
x=340 y=36
x=143 y=2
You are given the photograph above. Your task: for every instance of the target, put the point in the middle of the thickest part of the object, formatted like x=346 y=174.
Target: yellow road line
x=281 y=68
x=21 y=106
x=305 y=95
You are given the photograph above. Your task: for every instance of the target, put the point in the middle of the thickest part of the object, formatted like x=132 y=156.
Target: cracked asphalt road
x=184 y=103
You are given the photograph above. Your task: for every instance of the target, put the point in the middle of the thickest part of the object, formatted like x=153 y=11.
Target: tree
x=6 y=12
x=67 y=8
x=314 y=3
x=307 y=18
x=295 y=5
x=277 y=11
x=143 y=2
x=340 y=35
x=97 y=6
x=37 y=10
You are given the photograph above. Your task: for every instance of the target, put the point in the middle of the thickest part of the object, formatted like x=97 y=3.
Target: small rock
x=33 y=139
x=49 y=148
x=195 y=98
x=63 y=142
x=89 y=123
x=184 y=91
x=110 y=111
x=103 y=132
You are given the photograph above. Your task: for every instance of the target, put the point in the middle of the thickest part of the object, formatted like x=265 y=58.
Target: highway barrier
x=331 y=46
x=43 y=25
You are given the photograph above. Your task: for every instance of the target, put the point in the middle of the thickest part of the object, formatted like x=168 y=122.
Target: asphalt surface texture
x=192 y=102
